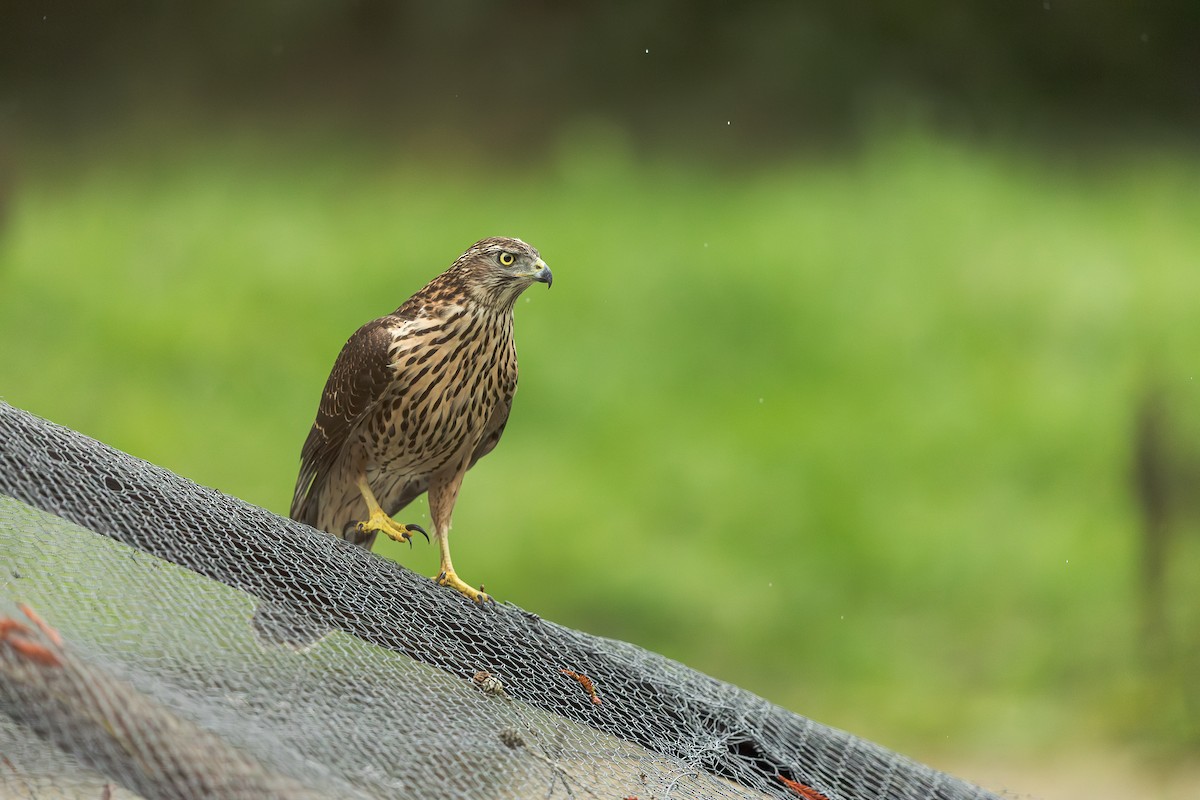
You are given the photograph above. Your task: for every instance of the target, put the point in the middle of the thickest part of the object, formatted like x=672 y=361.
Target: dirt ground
x=1081 y=776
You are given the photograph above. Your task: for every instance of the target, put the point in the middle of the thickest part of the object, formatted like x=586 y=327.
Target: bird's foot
x=451 y=579
x=390 y=528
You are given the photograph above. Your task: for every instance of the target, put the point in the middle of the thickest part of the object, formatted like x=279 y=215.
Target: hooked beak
x=543 y=273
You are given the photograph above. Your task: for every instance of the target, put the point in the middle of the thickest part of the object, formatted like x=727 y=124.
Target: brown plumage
x=415 y=398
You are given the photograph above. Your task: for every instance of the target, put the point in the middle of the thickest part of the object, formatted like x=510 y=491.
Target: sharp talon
x=419 y=530
x=441 y=577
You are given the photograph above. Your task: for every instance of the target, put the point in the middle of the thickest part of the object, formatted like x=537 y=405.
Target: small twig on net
x=585 y=682
x=51 y=634
x=807 y=792
x=19 y=637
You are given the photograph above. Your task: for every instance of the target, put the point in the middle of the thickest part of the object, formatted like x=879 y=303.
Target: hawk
x=414 y=399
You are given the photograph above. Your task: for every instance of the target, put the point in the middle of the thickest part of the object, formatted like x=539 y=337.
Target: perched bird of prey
x=415 y=398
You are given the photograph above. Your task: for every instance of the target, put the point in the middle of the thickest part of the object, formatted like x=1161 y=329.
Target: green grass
x=853 y=434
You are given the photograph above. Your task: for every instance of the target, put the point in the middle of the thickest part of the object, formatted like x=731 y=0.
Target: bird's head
x=495 y=271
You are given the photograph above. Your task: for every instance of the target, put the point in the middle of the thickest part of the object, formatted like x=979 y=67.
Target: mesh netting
x=147 y=678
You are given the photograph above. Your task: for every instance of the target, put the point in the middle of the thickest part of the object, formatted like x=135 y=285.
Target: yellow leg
x=443 y=491
x=380 y=521
x=448 y=577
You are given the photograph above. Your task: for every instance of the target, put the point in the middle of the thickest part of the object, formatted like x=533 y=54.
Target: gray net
x=129 y=666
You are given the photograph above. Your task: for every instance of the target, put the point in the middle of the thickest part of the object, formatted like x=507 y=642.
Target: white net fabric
x=160 y=686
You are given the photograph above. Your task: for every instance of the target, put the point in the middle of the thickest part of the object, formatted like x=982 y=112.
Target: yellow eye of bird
x=507 y=259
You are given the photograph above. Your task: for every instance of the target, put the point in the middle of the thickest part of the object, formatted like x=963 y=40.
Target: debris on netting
x=585 y=682
x=17 y=637
x=488 y=683
x=116 y=730
x=161 y=685
x=807 y=792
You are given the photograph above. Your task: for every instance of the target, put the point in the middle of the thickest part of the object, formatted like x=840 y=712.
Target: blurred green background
x=867 y=380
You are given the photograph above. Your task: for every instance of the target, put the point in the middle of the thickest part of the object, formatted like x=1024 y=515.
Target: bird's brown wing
x=358 y=379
